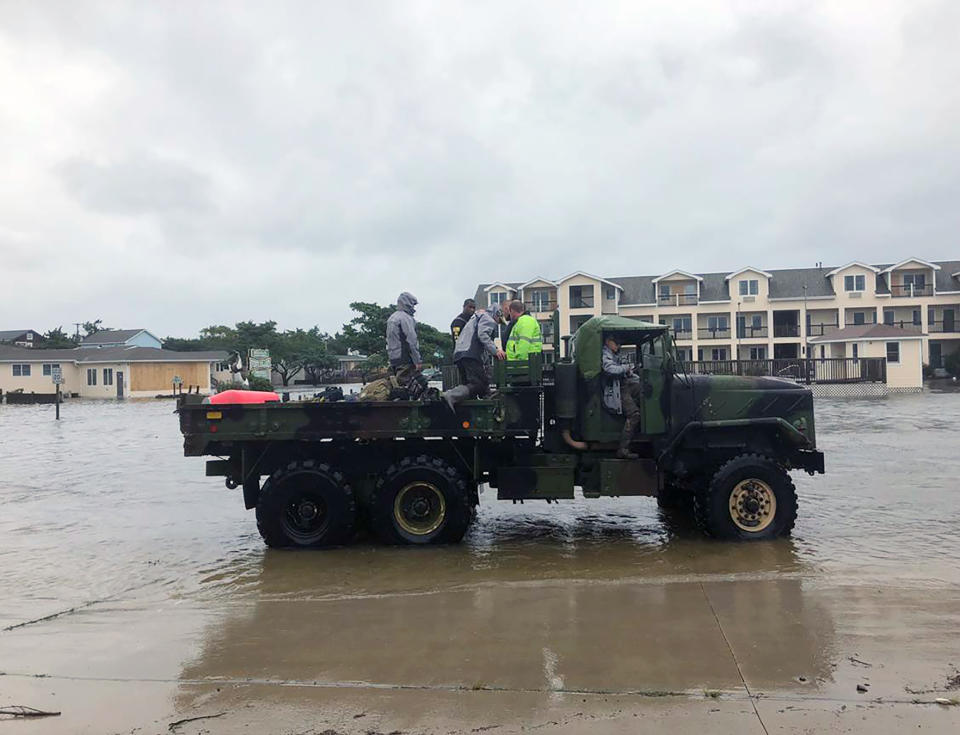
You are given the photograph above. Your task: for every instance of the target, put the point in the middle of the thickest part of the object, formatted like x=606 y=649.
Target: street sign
x=56 y=375
x=259 y=363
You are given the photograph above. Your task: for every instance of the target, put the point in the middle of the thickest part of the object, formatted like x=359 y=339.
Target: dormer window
x=749 y=287
x=854 y=283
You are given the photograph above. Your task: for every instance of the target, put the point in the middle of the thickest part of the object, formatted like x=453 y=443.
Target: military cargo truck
x=720 y=447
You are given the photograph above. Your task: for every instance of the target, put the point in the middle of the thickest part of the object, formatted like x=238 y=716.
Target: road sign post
x=177 y=383
x=56 y=375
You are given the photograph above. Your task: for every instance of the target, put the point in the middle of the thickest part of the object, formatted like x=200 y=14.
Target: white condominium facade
x=755 y=314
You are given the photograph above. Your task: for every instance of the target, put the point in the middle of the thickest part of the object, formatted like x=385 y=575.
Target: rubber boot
x=624 y=451
x=455 y=395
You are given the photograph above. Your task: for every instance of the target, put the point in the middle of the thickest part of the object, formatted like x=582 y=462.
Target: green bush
x=952 y=363
x=259 y=383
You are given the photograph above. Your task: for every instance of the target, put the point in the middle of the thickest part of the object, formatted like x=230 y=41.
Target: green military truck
x=317 y=472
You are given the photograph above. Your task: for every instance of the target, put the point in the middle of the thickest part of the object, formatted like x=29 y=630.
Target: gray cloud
x=319 y=153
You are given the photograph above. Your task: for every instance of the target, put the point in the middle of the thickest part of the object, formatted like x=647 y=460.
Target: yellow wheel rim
x=419 y=508
x=753 y=505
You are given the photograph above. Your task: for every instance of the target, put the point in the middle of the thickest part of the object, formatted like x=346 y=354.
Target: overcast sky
x=172 y=165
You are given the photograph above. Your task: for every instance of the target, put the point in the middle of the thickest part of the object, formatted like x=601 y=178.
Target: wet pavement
x=136 y=593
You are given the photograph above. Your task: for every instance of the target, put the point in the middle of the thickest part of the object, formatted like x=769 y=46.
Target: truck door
x=652 y=418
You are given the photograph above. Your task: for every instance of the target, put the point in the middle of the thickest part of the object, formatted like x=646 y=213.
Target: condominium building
x=755 y=314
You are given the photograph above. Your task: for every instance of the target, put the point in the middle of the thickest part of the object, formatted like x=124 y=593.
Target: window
x=717 y=323
x=581 y=297
x=916 y=317
x=859 y=317
x=718 y=353
x=823 y=352
x=221 y=367
x=497 y=297
x=108 y=376
x=749 y=288
x=540 y=300
x=48 y=368
x=684 y=354
x=29 y=336
x=856 y=351
x=91 y=376
x=21 y=371
x=700 y=354
x=893 y=352
x=917 y=280
x=664 y=290
x=611 y=293
x=854 y=283
x=758 y=353
x=682 y=324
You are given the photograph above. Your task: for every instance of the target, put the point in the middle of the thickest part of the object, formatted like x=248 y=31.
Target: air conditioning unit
x=748 y=299
x=855 y=294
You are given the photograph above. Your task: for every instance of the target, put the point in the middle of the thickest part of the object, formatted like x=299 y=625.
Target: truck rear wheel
x=749 y=498
x=421 y=500
x=306 y=504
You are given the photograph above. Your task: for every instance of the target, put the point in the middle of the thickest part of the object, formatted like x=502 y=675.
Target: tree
x=436 y=347
x=367 y=332
x=92 y=327
x=57 y=339
x=296 y=350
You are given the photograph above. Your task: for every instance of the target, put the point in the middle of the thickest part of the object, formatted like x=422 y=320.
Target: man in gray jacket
x=621 y=392
x=474 y=352
x=403 y=347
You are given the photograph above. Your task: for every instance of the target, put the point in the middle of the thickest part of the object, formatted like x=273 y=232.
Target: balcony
x=821 y=330
x=786 y=330
x=684 y=333
x=941 y=326
x=718 y=333
x=678 y=299
x=905 y=291
x=749 y=332
x=583 y=302
x=541 y=307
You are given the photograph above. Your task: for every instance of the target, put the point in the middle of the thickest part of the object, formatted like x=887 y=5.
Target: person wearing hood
x=474 y=352
x=403 y=347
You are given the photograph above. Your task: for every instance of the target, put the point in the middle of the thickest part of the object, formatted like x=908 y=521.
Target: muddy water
x=101 y=512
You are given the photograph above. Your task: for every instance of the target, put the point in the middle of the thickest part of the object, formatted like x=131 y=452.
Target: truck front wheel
x=749 y=498
x=306 y=504
x=421 y=500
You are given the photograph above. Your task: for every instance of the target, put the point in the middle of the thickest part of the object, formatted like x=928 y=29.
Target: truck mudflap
x=810 y=460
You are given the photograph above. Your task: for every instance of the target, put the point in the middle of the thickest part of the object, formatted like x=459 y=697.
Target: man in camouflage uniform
x=622 y=392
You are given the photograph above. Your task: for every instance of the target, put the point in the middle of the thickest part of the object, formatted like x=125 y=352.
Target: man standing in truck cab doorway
x=474 y=351
x=525 y=338
x=403 y=347
x=622 y=392
x=460 y=321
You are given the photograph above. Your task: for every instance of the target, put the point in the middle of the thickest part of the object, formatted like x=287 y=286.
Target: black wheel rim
x=306 y=517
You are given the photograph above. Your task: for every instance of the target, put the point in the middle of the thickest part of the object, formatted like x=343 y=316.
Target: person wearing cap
x=622 y=392
x=474 y=352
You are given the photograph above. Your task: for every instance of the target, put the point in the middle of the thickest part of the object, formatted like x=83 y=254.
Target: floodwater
x=135 y=592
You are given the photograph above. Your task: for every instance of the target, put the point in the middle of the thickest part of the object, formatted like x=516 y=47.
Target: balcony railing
x=678 y=299
x=823 y=370
x=683 y=333
x=951 y=326
x=584 y=302
x=901 y=323
x=540 y=307
x=786 y=330
x=718 y=333
x=908 y=290
x=820 y=330
x=749 y=332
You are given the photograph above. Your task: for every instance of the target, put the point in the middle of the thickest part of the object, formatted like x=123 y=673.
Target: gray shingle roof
x=9 y=334
x=108 y=336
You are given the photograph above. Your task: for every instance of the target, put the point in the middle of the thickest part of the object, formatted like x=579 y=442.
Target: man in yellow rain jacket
x=525 y=337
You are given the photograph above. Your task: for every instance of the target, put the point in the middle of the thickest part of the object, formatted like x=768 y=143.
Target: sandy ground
x=708 y=655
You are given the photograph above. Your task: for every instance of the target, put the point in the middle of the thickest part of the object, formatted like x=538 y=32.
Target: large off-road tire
x=421 y=500
x=306 y=504
x=749 y=498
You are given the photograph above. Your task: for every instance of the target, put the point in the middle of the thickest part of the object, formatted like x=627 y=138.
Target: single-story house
x=20 y=337
x=110 y=372
x=121 y=338
x=901 y=346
